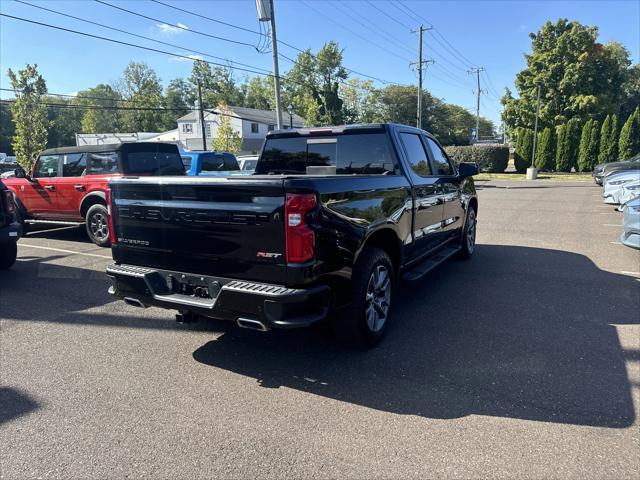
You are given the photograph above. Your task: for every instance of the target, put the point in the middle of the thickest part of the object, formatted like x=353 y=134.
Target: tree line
x=317 y=86
x=589 y=101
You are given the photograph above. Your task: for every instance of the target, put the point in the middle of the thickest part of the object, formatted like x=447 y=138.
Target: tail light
x=9 y=204
x=300 y=238
x=112 y=232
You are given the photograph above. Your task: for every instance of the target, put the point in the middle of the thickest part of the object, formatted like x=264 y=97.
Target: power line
x=174 y=25
x=388 y=16
x=137 y=35
x=369 y=41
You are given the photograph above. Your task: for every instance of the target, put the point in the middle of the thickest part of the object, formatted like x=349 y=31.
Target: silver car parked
x=631 y=234
x=613 y=185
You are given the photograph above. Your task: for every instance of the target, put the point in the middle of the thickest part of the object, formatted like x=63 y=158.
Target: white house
x=252 y=125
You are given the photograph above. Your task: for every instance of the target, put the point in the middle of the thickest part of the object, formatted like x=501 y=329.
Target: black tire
x=364 y=323
x=468 y=240
x=97 y=225
x=21 y=215
x=8 y=254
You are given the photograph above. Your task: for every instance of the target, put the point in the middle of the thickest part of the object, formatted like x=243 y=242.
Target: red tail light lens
x=9 y=204
x=112 y=233
x=300 y=238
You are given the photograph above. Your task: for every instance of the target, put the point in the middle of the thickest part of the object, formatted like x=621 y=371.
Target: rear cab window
x=349 y=153
x=218 y=162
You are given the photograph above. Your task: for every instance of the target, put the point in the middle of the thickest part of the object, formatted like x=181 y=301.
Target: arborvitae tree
x=609 y=140
x=573 y=135
x=629 y=143
x=545 y=150
x=563 y=163
x=588 y=155
x=523 y=148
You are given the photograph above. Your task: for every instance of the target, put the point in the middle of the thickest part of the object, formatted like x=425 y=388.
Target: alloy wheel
x=378 y=298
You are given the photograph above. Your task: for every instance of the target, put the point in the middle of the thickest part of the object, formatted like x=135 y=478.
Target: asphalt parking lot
x=522 y=362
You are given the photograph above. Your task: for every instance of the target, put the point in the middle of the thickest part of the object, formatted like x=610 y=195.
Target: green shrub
x=629 y=143
x=490 y=158
x=568 y=143
x=545 y=150
x=588 y=150
x=523 y=149
x=609 y=140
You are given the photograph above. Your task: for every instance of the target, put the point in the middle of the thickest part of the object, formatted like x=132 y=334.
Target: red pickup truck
x=69 y=185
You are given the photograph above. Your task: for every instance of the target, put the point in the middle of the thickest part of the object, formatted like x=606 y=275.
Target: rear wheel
x=97 y=221
x=8 y=254
x=365 y=322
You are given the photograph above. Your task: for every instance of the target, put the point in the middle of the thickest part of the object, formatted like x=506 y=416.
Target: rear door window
x=440 y=161
x=366 y=153
x=74 y=164
x=48 y=166
x=416 y=154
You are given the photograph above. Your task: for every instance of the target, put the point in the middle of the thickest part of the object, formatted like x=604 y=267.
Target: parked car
x=604 y=169
x=332 y=218
x=10 y=229
x=248 y=163
x=69 y=185
x=614 y=182
x=629 y=191
x=631 y=234
x=210 y=163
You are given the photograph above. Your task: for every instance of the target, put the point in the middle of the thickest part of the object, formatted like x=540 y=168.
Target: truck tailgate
x=227 y=227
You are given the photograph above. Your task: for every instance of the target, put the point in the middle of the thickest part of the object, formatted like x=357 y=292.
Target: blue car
x=219 y=164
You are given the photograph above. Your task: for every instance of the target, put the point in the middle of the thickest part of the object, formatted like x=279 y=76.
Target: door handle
x=80 y=188
x=51 y=188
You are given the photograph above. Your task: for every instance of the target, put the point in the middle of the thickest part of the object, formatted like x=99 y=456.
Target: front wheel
x=98 y=225
x=365 y=322
x=8 y=254
x=468 y=241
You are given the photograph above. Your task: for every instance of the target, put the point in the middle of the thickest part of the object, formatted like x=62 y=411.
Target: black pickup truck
x=10 y=229
x=332 y=218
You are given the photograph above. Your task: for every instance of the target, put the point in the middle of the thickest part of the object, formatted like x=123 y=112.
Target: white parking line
x=612 y=225
x=616 y=243
x=62 y=250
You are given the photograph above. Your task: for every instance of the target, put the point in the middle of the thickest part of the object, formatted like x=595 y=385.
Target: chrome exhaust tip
x=252 y=324
x=134 y=302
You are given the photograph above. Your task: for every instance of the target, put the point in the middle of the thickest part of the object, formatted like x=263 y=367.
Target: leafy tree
x=259 y=93
x=218 y=85
x=588 y=155
x=176 y=101
x=359 y=101
x=7 y=129
x=64 y=120
x=609 y=140
x=228 y=139
x=579 y=77
x=545 y=150
x=29 y=114
x=629 y=143
x=142 y=89
x=104 y=120
x=630 y=92
x=523 y=149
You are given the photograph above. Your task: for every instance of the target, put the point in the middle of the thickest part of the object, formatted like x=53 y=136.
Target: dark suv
x=10 y=229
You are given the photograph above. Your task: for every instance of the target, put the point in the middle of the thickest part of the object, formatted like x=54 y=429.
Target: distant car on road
x=613 y=184
x=631 y=234
x=248 y=163
x=219 y=164
x=70 y=185
x=600 y=172
x=10 y=229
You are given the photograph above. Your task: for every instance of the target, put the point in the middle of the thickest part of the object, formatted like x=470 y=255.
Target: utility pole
x=266 y=13
x=532 y=172
x=420 y=67
x=201 y=106
x=477 y=71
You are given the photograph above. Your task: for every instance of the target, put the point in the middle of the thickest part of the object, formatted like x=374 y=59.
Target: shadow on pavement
x=14 y=403
x=516 y=332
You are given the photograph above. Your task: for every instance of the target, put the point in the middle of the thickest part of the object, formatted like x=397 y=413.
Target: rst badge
x=268 y=255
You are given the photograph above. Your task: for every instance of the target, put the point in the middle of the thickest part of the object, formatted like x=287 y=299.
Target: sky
x=375 y=34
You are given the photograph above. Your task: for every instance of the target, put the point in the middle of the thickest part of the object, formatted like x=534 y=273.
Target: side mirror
x=467 y=169
x=20 y=173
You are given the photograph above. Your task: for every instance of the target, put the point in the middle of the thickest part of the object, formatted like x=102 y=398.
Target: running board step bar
x=53 y=222
x=420 y=270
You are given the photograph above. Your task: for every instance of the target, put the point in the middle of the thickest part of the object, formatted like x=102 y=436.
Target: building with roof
x=252 y=125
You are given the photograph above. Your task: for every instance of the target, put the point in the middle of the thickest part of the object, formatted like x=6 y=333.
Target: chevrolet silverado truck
x=329 y=223
x=68 y=185
x=10 y=229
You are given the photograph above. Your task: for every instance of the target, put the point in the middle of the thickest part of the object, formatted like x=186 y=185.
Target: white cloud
x=523 y=27
x=182 y=58
x=166 y=28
